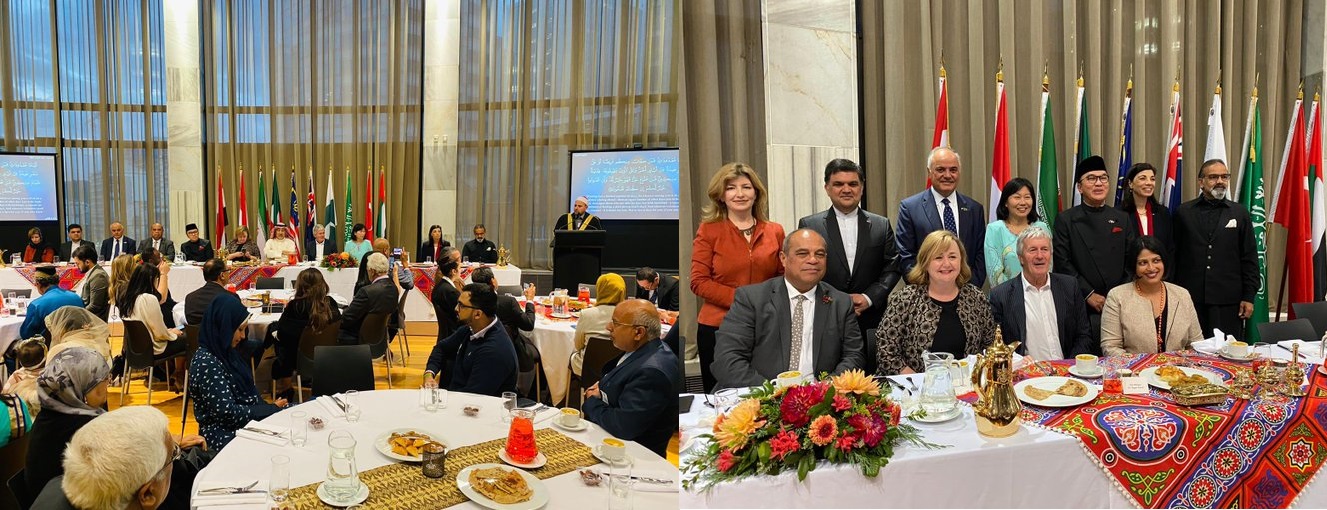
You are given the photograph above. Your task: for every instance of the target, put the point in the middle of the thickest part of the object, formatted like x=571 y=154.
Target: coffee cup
x=1237 y=349
x=570 y=418
x=1086 y=363
x=613 y=449
x=789 y=378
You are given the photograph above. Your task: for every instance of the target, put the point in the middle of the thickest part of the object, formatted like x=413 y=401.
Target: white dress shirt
x=1043 y=335
x=805 y=363
x=848 y=232
x=318 y=250
x=940 y=209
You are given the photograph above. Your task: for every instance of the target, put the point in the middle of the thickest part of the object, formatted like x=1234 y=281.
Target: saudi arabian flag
x=1048 y=174
x=350 y=211
x=1250 y=194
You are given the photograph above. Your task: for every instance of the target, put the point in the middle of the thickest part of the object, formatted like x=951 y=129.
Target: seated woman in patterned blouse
x=226 y=397
x=938 y=311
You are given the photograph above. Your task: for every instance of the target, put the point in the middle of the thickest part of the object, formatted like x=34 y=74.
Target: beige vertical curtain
x=1241 y=43
x=541 y=78
x=327 y=88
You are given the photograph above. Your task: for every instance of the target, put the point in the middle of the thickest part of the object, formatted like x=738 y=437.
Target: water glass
x=509 y=404
x=465 y=260
x=253 y=287
x=278 y=483
x=937 y=397
x=342 y=482
x=727 y=399
x=620 y=486
x=430 y=396
x=299 y=428
x=353 y=411
x=428 y=259
x=15 y=260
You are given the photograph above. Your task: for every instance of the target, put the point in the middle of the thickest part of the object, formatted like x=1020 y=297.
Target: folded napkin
x=249 y=498
x=330 y=406
x=442 y=402
x=266 y=438
x=1310 y=350
x=642 y=485
x=1213 y=345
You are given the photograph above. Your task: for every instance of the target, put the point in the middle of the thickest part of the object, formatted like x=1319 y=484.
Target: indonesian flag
x=1291 y=207
x=1000 y=159
x=368 y=206
x=221 y=212
x=1170 y=188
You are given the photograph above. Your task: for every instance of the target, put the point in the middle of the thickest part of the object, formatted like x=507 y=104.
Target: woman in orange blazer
x=735 y=245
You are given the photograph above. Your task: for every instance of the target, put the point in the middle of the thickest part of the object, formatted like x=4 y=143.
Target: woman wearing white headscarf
x=72 y=326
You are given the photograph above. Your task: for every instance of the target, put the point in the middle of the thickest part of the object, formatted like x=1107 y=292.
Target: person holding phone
x=395 y=261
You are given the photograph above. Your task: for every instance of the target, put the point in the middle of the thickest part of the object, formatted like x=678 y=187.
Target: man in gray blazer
x=159 y=242
x=95 y=282
x=863 y=258
x=764 y=334
x=1041 y=309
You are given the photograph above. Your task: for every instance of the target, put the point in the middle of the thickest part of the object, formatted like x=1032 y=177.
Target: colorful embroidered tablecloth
x=69 y=275
x=1258 y=453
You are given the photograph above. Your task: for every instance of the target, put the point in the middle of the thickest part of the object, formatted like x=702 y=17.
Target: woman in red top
x=37 y=250
x=735 y=245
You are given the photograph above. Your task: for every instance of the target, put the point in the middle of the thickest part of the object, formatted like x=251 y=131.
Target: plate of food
x=1055 y=391
x=1166 y=376
x=501 y=488
x=407 y=444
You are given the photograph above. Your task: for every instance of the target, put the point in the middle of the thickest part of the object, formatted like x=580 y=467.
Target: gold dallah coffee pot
x=997 y=408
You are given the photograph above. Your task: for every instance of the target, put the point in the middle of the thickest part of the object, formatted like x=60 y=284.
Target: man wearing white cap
x=578 y=218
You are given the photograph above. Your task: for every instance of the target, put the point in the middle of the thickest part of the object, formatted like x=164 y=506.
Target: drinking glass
x=583 y=293
x=727 y=398
x=15 y=260
x=465 y=260
x=430 y=396
x=620 y=484
x=508 y=403
x=937 y=398
x=521 y=447
x=353 y=411
x=299 y=431
x=428 y=259
x=342 y=481
x=253 y=287
x=278 y=483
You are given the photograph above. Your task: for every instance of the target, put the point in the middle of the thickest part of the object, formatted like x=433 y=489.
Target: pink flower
x=841 y=403
x=846 y=442
x=783 y=443
x=871 y=429
x=726 y=461
x=823 y=430
x=796 y=405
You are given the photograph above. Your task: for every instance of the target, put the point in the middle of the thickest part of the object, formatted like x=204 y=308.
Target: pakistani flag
x=275 y=210
x=329 y=212
x=350 y=210
x=1250 y=194
x=1048 y=174
x=263 y=226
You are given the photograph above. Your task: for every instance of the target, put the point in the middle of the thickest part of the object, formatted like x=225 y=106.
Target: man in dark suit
x=96 y=283
x=321 y=245
x=942 y=207
x=514 y=318
x=196 y=302
x=863 y=254
x=1214 y=238
x=636 y=399
x=656 y=288
x=158 y=241
x=1091 y=242
x=480 y=249
x=379 y=296
x=483 y=360
x=383 y=246
x=117 y=244
x=196 y=249
x=67 y=248
x=764 y=334
x=1041 y=309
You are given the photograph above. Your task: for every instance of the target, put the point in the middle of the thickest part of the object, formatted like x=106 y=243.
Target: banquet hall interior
x=441 y=230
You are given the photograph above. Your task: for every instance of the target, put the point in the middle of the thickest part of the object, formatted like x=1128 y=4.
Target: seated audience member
x=158 y=242
x=656 y=288
x=196 y=249
x=610 y=289
x=67 y=248
x=196 y=302
x=30 y=360
x=117 y=244
x=752 y=344
x=635 y=399
x=359 y=244
x=96 y=283
x=446 y=292
x=432 y=247
x=140 y=302
x=1149 y=315
x=279 y=247
x=513 y=317
x=380 y=295
x=479 y=249
x=1043 y=310
x=52 y=297
x=122 y=459
x=221 y=384
x=483 y=359
x=321 y=246
x=400 y=265
x=311 y=306
x=241 y=248
x=938 y=311
x=37 y=250
x=578 y=218
x=72 y=390
x=150 y=255
x=121 y=269
x=72 y=326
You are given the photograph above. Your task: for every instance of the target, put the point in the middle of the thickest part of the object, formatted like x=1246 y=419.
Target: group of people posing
x=1101 y=280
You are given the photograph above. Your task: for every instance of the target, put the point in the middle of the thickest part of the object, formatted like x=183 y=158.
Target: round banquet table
x=391 y=409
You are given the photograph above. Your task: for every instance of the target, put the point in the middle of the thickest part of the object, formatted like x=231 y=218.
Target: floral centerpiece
x=842 y=419
x=336 y=261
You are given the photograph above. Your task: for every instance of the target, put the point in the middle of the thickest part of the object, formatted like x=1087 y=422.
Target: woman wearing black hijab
x=226 y=397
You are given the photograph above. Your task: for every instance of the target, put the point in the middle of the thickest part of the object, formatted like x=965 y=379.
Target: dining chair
x=1316 y=313
x=1298 y=329
x=342 y=367
x=138 y=355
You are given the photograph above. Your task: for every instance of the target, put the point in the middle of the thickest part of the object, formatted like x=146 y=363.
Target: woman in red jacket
x=735 y=245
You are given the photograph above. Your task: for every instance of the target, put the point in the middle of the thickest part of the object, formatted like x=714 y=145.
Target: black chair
x=18 y=489
x=870 y=349
x=12 y=459
x=138 y=355
x=191 y=337
x=373 y=333
x=342 y=367
x=1298 y=329
x=527 y=361
x=310 y=339
x=402 y=345
x=598 y=351
x=1316 y=313
x=275 y=283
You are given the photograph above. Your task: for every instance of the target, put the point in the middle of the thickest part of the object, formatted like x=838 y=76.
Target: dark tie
x=116 y=251
x=949 y=217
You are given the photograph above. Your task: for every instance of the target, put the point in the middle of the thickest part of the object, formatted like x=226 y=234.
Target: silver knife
x=1287 y=349
x=265 y=432
x=339 y=403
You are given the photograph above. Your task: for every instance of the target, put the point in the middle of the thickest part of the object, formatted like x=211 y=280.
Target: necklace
x=748 y=230
x=1158 y=319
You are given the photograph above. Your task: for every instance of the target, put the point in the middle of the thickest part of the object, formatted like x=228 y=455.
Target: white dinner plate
x=1050 y=383
x=381 y=443
x=1150 y=373
x=560 y=315
x=538 y=500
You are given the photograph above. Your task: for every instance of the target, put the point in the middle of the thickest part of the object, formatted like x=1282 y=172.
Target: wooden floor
x=420 y=335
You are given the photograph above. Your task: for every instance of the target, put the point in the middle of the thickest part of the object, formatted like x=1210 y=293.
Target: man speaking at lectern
x=578 y=218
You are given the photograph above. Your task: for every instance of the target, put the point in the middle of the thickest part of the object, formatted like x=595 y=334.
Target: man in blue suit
x=117 y=244
x=637 y=398
x=942 y=207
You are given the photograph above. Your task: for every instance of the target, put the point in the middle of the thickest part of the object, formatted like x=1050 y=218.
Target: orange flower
x=855 y=381
x=823 y=430
x=733 y=430
x=345 y=255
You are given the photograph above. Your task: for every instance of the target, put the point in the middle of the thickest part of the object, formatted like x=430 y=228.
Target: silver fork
x=229 y=490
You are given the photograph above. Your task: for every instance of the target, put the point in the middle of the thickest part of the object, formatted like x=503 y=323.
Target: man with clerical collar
x=578 y=218
x=196 y=249
x=1214 y=239
x=1041 y=309
x=1091 y=242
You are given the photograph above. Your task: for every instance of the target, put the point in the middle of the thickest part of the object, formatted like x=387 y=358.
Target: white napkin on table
x=643 y=486
x=266 y=438
x=1212 y=345
x=330 y=406
x=248 y=498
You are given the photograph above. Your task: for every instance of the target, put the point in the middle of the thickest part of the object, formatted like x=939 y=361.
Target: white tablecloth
x=9 y=333
x=245 y=459
x=1034 y=468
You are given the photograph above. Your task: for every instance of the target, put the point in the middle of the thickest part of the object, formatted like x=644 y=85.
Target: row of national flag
x=1300 y=202
x=270 y=216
